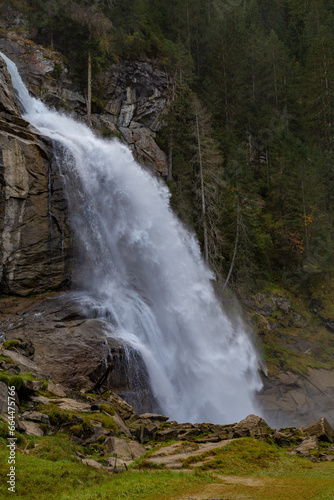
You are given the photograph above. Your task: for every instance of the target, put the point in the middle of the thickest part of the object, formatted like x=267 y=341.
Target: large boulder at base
x=73 y=346
x=251 y=426
x=123 y=449
x=320 y=429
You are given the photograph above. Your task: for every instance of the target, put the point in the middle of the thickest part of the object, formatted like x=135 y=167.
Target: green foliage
x=107 y=408
x=6 y=359
x=10 y=343
x=265 y=72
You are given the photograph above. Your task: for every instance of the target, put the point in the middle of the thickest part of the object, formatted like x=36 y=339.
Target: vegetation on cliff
x=265 y=73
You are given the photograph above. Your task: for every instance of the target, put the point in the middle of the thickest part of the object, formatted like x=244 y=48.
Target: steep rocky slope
x=34 y=246
x=36 y=249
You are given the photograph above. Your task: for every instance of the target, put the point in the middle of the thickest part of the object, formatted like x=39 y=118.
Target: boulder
x=98 y=431
x=154 y=416
x=251 y=426
x=124 y=410
x=118 y=447
x=30 y=428
x=137 y=450
x=24 y=364
x=146 y=431
x=125 y=450
x=320 y=429
x=32 y=385
x=167 y=434
x=121 y=425
x=91 y=463
x=72 y=405
x=56 y=390
x=308 y=444
x=287 y=437
x=36 y=416
x=71 y=347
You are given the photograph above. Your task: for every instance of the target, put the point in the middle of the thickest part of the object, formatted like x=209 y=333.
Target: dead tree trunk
x=205 y=228
x=235 y=243
x=89 y=90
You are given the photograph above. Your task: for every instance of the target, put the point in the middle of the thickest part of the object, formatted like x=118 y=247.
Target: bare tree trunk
x=305 y=221
x=170 y=137
x=275 y=78
x=235 y=243
x=89 y=91
x=170 y=157
x=205 y=229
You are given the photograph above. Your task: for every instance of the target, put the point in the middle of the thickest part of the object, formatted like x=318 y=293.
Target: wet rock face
x=34 y=243
x=295 y=399
x=74 y=346
x=134 y=96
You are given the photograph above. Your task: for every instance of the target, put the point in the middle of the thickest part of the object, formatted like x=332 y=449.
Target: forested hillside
x=249 y=129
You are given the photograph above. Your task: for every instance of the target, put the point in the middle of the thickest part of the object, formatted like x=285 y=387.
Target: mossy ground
x=298 y=344
x=246 y=468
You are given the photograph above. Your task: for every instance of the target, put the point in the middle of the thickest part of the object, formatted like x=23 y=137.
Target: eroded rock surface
x=34 y=243
x=134 y=96
x=74 y=346
x=296 y=399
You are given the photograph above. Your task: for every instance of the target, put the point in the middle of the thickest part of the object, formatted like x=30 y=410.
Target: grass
x=45 y=478
x=246 y=468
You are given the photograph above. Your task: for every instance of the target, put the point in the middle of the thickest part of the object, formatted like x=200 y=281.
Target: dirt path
x=173 y=456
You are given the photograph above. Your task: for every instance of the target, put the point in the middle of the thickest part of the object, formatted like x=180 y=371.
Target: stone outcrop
x=71 y=344
x=321 y=430
x=34 y=243
x=251 y=426
x=133 y=97
x=294 y=398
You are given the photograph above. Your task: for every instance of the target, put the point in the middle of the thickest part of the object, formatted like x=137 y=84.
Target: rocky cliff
x=36 y=253
x=133 y=96
x=34 y=246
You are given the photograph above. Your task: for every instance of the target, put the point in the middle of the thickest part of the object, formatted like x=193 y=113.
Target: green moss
x=107 y=408
x=7 y=359
x=298 y=340
x=10 y=343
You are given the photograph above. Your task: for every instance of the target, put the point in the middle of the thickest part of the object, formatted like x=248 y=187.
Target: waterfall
x=145 y=271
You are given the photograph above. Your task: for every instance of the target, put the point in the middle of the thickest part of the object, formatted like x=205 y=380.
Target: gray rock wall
x=134 y=96
x=35 y=246
x=35 y=241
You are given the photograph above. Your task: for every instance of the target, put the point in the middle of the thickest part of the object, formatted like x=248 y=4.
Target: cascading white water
x=145 y=269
